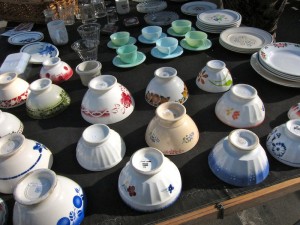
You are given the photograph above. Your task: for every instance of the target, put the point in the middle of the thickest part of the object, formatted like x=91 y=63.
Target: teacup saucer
x=173 y=33
x=185 y=45
x=131 y=41
x=157 y=54
x=146 y=41
x=141 y=57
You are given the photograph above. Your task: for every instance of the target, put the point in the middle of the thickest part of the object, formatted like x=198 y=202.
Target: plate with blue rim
x=131 y=41
x=185 y=45
x=146 y=41
x=171 y=32
x=157 y=54
x=141 y=57
x=40 y=51
x=23 y=38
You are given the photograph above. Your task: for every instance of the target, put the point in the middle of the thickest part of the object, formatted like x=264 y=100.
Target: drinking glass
x=66 y=13
x=112 y=15
x=86 y=49
x=87 y=13
x=90 y=31
x=100 y=8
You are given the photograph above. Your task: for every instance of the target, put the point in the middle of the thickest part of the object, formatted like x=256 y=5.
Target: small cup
x=127 y=53
x=90 y=31
x=66 y=13
x=195 y=38
x=167 y=45
x=86 y=49
x=151 y=32
x=120 y=38
x=181 y=26
x=88 y=70
x=100 y=8
x=58 y=32
x=87 y=13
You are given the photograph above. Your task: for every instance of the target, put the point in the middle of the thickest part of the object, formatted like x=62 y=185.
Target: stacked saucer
x=218 y=20
x=244 y=39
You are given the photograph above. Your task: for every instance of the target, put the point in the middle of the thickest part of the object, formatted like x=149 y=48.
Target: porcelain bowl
x=239 y=159
x=240 y=107
x=46 y=99
x=149 y=181
x=283 y=143
x=166 y=86
x=18 y=156
x=294 y=112
x=9 y=123
x=100 y=148
x=13 y=90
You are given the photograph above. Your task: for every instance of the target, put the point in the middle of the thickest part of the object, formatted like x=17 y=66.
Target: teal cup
x=167 y=45
x=120 y=38
x=127 y=53
x=152 y=32
x=195 y=38
x=181 y=26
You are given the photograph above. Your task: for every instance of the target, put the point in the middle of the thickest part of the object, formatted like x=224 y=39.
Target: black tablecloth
x=200 y=187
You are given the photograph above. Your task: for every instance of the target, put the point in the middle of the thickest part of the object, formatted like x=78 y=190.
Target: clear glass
x=66 y=13
x=49 y=15
x=100 y=8
x=90 y=31
x=112 y=15
x=86 y=49
x=87 y=12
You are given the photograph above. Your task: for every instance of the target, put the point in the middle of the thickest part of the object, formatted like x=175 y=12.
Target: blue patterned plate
x=40 y=51
x=24 y=38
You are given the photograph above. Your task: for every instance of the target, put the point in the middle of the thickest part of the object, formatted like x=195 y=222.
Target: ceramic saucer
x=186 y=46
x=173 y=33
x=157 y=54
x=141 y=57
x=146 y=41
x=131 y=41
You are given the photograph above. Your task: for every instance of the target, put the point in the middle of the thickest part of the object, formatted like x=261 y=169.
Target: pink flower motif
x=235 y=115
x=126 y=100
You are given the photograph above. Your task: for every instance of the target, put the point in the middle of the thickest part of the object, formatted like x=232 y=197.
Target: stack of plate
x=218 y=20
x=244 y=39
x=197 y=7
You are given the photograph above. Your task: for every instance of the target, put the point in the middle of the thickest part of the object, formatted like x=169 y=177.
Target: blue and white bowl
x=239 y=159
x=283 y=143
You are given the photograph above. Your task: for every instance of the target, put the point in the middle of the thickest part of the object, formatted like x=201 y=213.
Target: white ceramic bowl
x=100 y=148
x=13 y=90
x=294 y=112
x=9 y=123
x=283 y=143
x=150 y=181
x=239 y=159
x=240 y=107
x=166 y=86
x=106 y=101
x=18 y=156
x=42 y=197
x=214 y=77
x=46 y=99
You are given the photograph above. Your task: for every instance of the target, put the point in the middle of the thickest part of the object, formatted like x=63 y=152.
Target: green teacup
x=181 y=26
x=127 y=53
x=120 y=38
x=195 y=38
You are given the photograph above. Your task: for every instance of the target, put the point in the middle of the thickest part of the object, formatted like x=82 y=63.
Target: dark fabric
x=200 y=187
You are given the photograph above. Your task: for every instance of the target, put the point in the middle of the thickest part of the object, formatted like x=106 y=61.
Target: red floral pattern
x=14 y=101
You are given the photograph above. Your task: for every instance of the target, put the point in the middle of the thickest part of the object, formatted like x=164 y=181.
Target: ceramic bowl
x=13 y=90
x=195 y=38
x=100 y=148
x=240 y=107
x=149 y=181
x=56 y=70
x=46 y=99
x=239 y=159
x=283 y=143
x=172 y=131
x=106 y=101
x=9 y=123
x=214 y=77
x=166 y=45
x=18 y=156
x=120 y=38
x=42 y=197
x=294 y=112
x=152 y=32
x=87 y=70
x=181 y=26
x=166 y=86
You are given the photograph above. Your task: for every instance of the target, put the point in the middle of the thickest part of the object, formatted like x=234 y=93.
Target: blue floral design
x=39 y=147
x=170 y=188
x=47 y=50
x=278 y=149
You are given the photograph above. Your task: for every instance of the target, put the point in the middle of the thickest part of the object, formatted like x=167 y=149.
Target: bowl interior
x=10 y=143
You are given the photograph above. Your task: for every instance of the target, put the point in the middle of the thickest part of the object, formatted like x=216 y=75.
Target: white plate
x=219 y=17
x=254 y=61
x=40 y=51
x=197 y=7
x=24 y=38
x=281 y=56
x=161 y=18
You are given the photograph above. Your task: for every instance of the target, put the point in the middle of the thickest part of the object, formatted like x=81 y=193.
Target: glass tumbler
x=86 y=49
x=90 y=31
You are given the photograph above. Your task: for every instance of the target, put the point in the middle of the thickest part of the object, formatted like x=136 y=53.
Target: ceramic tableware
x=111 y=45
x=167 y=45
x=195 y=38
x=171 y=130
x=56 y=70
x=43 y=197
x=87 y=70
x=106 y=101
x=23 y=38
x=120 y=38
x=152 y=33
x=181 y=26
x=127 y=53
x=46 y=99
x=194 y=8
x=158 y=54
x=58 y=32
x=87 y=50
x=283 y=143
x=9 y=123
x=206 y=45
x=141 y=57
x=149 y=181
x=240 y=107
x=18 y=156
x=13 y=90
x=239 y=159
x=214 y=77
x=99 y=148
x=294 y=112
x=166 y=86
x=162 y=18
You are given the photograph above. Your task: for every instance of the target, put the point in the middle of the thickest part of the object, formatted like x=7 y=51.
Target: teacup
x=195 y=38
x=181 y=26
x=87 y=70
x=120 y=38
x=167 y=45
x=151 y=33
x=127 y=53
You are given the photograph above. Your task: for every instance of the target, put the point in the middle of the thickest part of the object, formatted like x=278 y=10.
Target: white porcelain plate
x=197 y=7
x=219 y=17
x=40 y=51
x=24 y=38
x=161 y=18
